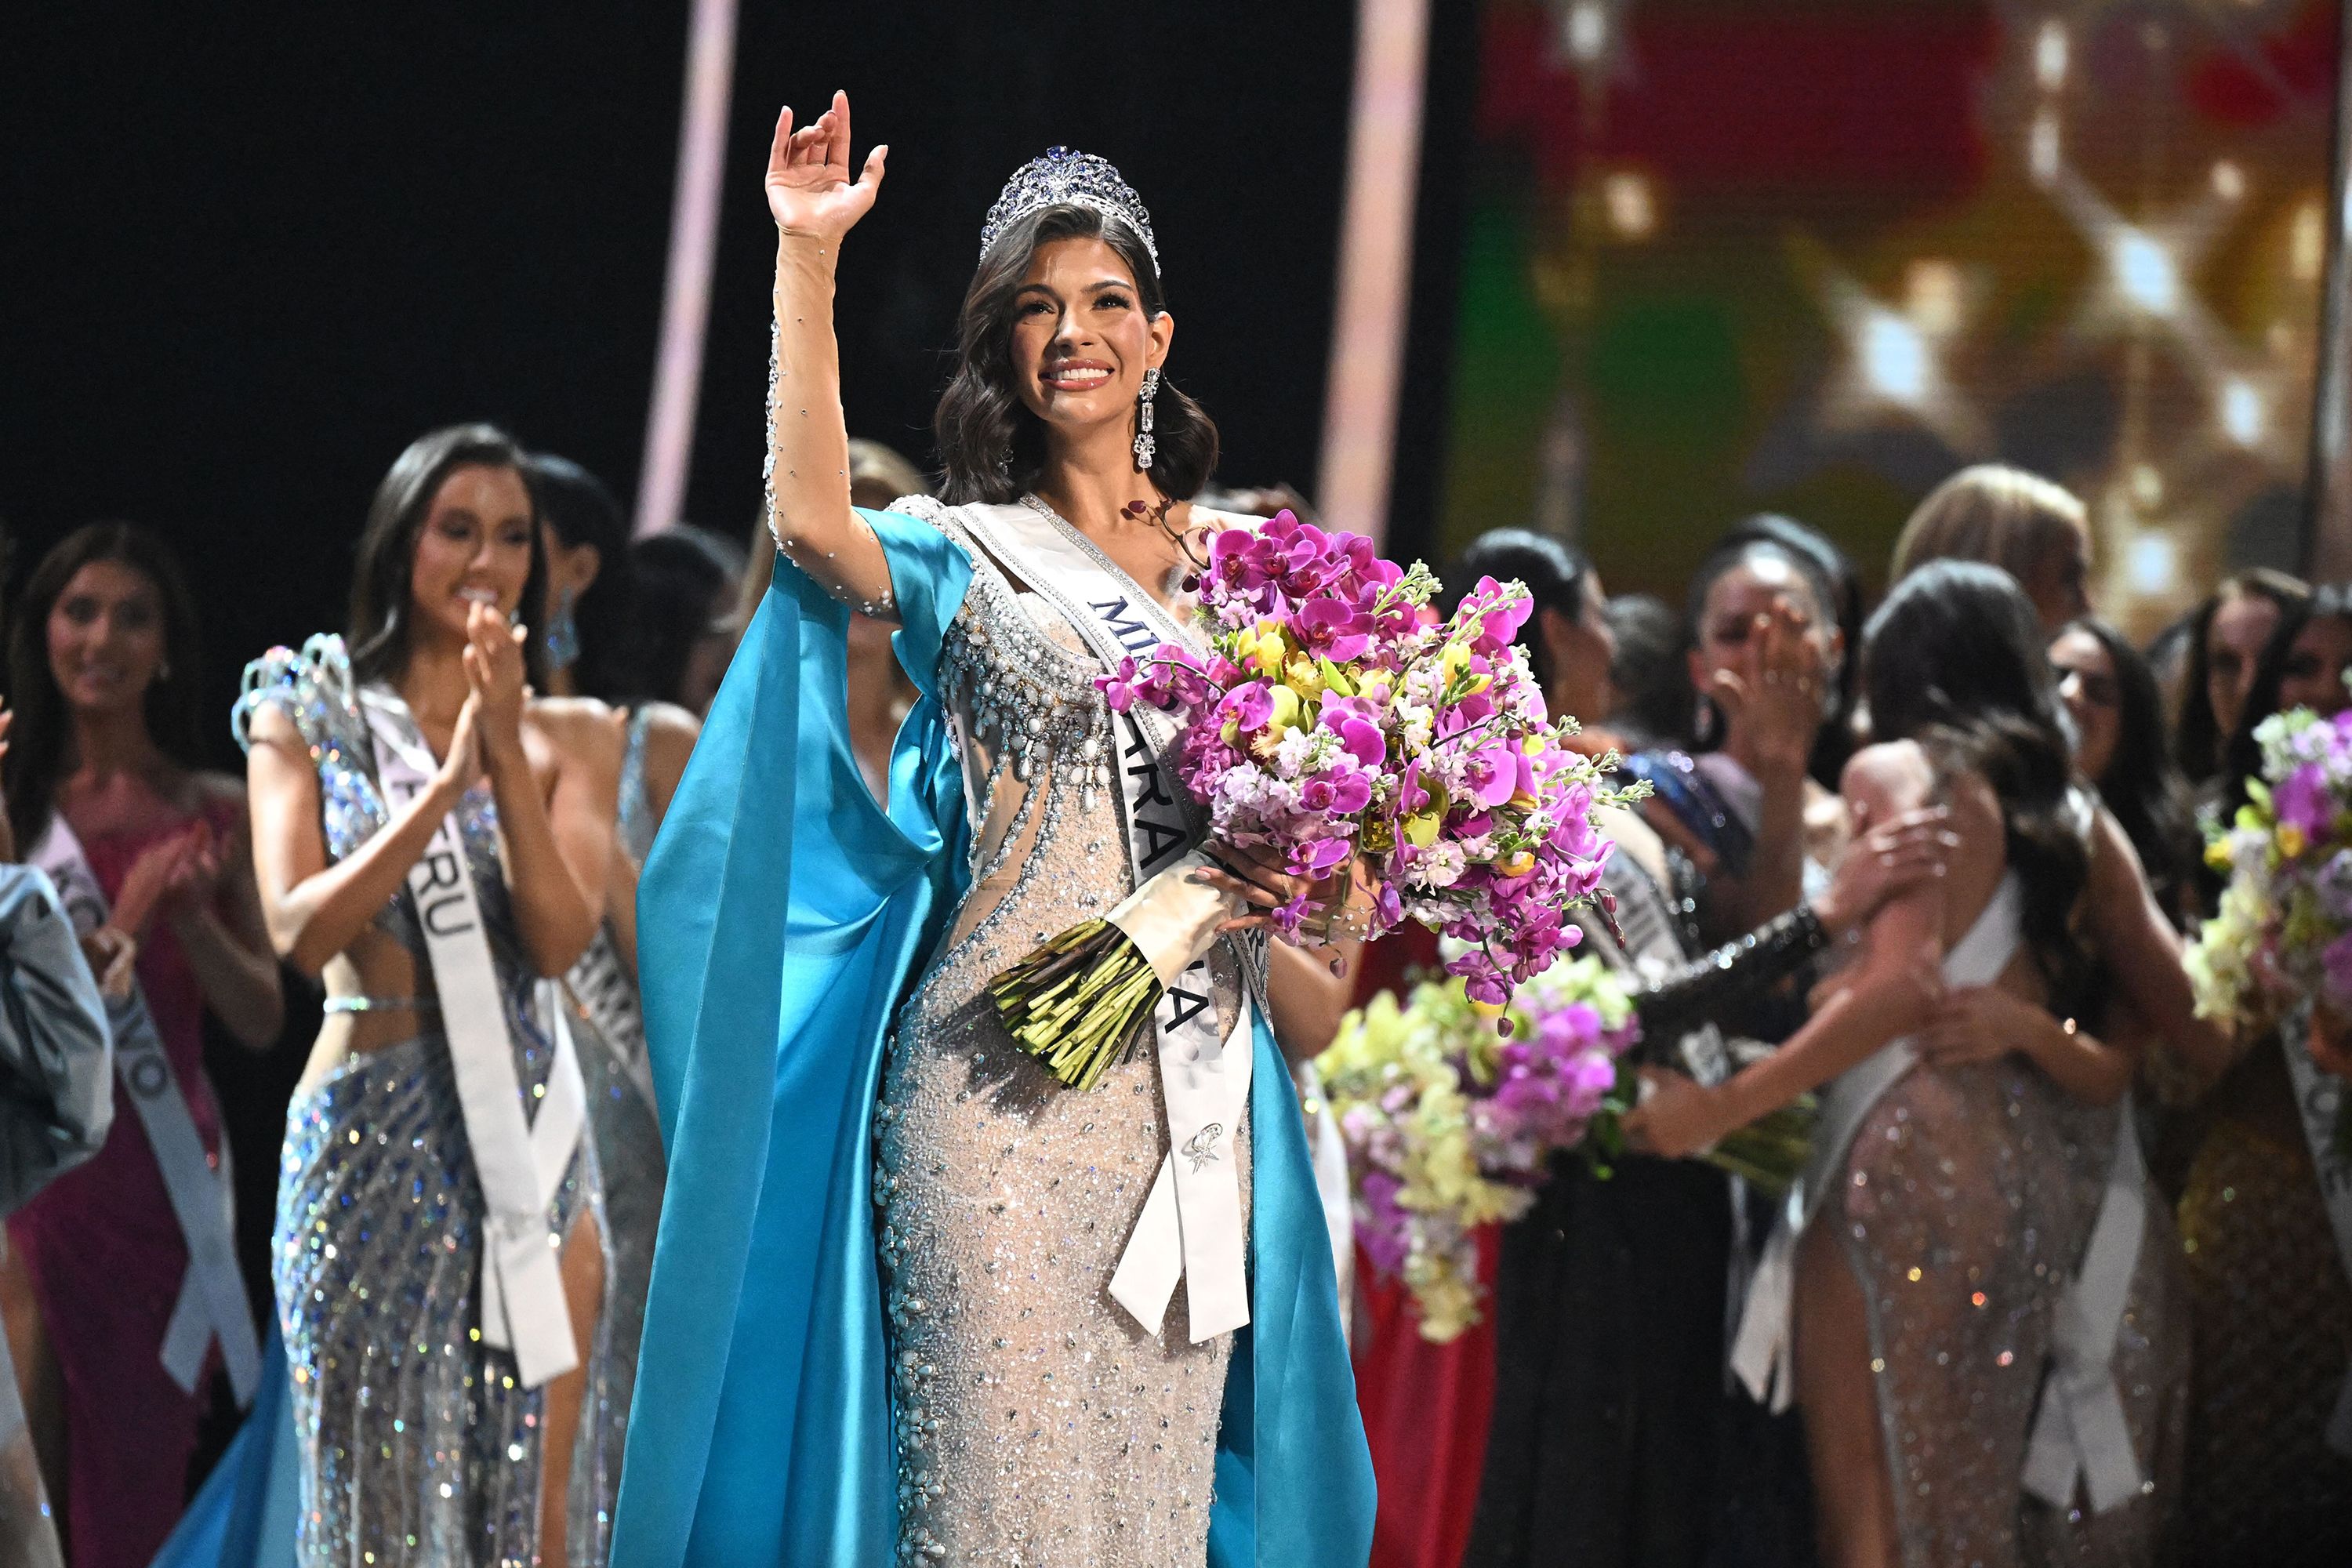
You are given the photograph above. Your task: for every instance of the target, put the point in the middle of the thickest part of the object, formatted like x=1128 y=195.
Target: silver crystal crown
x=1077 y=179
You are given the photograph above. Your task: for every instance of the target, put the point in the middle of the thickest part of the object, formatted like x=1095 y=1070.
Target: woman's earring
x=1703 y=722
x=1005 y=461
x=1144 y=445
x=562 y=634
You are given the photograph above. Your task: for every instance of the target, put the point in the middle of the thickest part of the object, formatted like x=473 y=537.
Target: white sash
x=1761 y=1351
x=2318 y=1099
x=520 y=1162
x=212 y=1302
x=2080 y=1432
x=1190 y=1228
x=601 y=985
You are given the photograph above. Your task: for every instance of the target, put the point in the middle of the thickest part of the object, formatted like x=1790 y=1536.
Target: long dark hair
x=1554 y=573
x=1955 y=660
x=576 y=505
x=2141 y=786
x=686 y=577
x=2198 y=743
x=36 y=741
x=981 y=421
x=378 y=632
x=2241 y=759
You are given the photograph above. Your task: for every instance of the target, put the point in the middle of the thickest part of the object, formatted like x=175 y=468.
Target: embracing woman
x=885 y=1324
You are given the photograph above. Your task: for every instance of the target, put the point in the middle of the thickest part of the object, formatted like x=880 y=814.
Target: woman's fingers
x=1241 y=888
x=780 y=146
x=837 y=152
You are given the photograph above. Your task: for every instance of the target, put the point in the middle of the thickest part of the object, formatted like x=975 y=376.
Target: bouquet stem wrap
x=1080 y=1002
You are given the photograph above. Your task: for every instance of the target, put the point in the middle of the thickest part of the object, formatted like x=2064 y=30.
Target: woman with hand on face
x=1948 y=1205
x=913 y=1301
x=433 y=839
x=1764 y=651
x=154 y=853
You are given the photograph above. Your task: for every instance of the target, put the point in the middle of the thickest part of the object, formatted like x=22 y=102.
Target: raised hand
x=809 y=188
x=1772 y=704
x=463 y=763
x=195 y=879
x=151 y=875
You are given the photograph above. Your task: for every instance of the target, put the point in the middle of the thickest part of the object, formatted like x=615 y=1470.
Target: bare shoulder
x=670 y=734
x=580 y=726
x=209 y=789
x=1887 y=779
x=1213 y=518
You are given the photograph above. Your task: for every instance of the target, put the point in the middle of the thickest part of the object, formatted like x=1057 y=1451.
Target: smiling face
x=1081 y=339
x=2234 y=639
x=474 y=547
x=2093 y=696
x=106 y=636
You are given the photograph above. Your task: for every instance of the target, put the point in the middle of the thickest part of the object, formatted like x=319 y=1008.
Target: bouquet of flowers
x=2282 y=931
x=1335 y=716
x=1451 y=1116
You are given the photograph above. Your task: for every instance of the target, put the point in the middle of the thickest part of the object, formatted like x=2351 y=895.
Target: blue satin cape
x=780 y=920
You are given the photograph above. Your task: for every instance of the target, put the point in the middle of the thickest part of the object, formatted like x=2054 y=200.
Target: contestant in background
x=1958 y=1199
x=1764 y=650
x=56 y=1101
x=587 y=614
x=2267 y=1227
x=2035 y=530
x=686 y=583
x=435 y=1136
x=1609 y=1409
x=911 y=1353
x=2227 y=635
x=102 y=790
x=2120 y=750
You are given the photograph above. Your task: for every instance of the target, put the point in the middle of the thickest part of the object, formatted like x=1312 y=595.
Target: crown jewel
x=1078 y=179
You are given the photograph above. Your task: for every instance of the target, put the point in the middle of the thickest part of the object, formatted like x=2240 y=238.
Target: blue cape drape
x=780 y=918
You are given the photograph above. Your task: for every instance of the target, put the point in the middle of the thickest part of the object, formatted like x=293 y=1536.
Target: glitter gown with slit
x=418 y=1445
x=1967 y=1199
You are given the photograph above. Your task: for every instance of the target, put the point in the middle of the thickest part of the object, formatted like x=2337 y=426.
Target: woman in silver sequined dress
x=421 y=1443
x=1035 y=1420
x=1967 y=1159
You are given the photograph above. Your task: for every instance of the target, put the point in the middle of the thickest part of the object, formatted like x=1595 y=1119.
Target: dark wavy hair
x=378 y=631
x=2198 y=743
x=36 y=741
x=576 y=505
x=2241 y=759
x=992 y=447
x=1554 y=573
x=1955 y=660
x=2141 y=786
x=686 y=581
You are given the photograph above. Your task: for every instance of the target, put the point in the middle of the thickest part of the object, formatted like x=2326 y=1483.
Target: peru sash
x=519 y=1160
x=1192 y=1226
x=212 y=1302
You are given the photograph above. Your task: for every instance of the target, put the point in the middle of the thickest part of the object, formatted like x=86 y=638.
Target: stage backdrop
x=1810 y=256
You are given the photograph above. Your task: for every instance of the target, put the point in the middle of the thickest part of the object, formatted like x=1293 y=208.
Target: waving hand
x=809 y=188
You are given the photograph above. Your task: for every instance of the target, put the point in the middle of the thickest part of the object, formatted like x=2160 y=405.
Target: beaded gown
x=1963 y=1207
x=1036 y=1423
x=418 y=1445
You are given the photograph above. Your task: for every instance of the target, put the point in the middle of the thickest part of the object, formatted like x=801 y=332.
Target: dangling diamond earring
x=1144 y=445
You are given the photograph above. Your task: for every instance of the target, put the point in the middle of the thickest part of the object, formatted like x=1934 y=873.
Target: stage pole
x=693 y=243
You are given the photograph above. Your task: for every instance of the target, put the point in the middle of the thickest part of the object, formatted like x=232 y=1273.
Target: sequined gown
x=418 y=1445
x=1036 y=1424
x=1968 y=1198
x=621 y=1117
x=2273 y=1330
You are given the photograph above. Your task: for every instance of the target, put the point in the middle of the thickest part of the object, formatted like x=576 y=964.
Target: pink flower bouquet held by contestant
x=1336 y=719
x=1451 y=1117
x=2282 y=934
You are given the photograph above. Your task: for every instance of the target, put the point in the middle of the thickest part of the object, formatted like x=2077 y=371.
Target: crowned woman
x=914 y=1300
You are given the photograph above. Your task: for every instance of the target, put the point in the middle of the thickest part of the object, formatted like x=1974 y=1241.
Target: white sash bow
x=1190 y=1228
x=519 y=1160
x=211 y=1303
